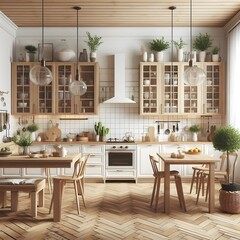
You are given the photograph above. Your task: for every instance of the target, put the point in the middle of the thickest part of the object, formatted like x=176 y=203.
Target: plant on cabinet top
x=202 y=42
x=159 y=45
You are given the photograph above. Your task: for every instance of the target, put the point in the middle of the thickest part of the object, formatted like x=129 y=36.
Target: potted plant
x=23 y=140
x=201 y=43
x=31 y=50
x=104 y=133
x=93 y=43
x=215 y=54
x=159 y=45
x=179 y=47
x=32 y=128
x=195 y=129
x=227 y=139
x=98 y=129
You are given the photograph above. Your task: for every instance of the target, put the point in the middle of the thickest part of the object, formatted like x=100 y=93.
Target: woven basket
x=229 y=201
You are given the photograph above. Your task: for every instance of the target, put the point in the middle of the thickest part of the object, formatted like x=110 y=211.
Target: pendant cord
x=42 y=30
x=191 y=26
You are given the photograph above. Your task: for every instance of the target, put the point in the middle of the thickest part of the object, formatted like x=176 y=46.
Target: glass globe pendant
x=40 y=74
x=77 y=87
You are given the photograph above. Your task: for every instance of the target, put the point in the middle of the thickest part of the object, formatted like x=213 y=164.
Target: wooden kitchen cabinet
x=54 y=98
x=165 y=92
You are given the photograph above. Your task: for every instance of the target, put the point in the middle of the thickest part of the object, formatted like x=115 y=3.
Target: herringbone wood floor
x=120 y=211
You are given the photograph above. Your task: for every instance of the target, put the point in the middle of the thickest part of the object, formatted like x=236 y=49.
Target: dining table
x=25 y=161
x=190 y=159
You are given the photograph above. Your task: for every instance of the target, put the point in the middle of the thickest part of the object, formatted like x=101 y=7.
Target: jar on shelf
x=63 y=52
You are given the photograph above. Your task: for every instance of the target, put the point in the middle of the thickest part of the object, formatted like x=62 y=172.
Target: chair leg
x=41 y=200
x=76 y=196
x=14 y=201
x=49 y=180
x=82 y=192
x=33 y=196
x=193 y=178
x=207 y=189
x=201 y=182
x=3 y=199
x=153 y=191
x=178 y=182
x=157 y=193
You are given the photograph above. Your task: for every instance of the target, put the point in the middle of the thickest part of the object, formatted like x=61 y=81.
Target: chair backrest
x=154 y=161
x=79 y=166
x=233 y=160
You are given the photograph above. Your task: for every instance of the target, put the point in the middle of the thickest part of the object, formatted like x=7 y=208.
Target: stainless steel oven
x=120 y=160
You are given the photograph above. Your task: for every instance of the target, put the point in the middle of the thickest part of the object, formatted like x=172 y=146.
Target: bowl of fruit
x=5 y=151
x=193 y=151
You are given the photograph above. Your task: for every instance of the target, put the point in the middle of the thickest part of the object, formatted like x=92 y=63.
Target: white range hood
x=119 y=81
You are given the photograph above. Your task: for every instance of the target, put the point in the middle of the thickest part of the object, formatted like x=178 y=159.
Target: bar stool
x=157 y=180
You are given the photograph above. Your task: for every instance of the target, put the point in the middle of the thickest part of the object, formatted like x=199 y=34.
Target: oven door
x=120 y=159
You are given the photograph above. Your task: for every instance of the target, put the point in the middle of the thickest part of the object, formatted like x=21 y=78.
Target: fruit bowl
x=5 y=154
x=193 y=151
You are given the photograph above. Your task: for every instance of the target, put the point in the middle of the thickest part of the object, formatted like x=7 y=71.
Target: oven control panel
x=115 y=147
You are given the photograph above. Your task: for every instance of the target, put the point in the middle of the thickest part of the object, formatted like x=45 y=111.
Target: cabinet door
x=171 y=82
x=149 y=99
x=87 y=103
x=214 y=94
x=64 y=101
x=44 y=102
x=144 y=164
x=22 y=89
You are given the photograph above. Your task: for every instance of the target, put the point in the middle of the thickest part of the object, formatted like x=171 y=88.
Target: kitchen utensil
x=208 y=128
x=174 y=128
x=167 y=131
x=53 y=133
x=158 y=128
x=177 y=128
x=1 y=121
x=128 y=137
x=151 y=131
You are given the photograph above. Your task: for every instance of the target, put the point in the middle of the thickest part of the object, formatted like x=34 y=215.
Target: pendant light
x=40 y=74
x=193 y=75
x=77 y=87
x=172 y=8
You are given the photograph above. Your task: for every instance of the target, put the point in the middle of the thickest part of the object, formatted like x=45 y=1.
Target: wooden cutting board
x=151 y=133
x=53 y=133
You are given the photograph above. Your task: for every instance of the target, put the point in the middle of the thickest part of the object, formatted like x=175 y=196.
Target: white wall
x=120 y=118
x=7 y=36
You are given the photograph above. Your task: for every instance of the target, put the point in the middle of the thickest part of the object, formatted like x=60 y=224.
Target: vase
x=151 y=57
x=93 y=56
x=85 y=55
x=195 y=137
x=180 y=55
x=33 y=136
x=97 y=138
x=145 y=56
x=23 y=150
x=202 y=56
x=63 y=52
x=159 y=56
x=215 y=57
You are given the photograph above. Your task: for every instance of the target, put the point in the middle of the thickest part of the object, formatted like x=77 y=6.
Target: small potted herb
x=195 y=129
x=93 y=43
x=23 y=140
x=31 y=50
x=179 y=47
x=32 y=128
x=201 y=43
x=215 y=54
x=159 y=46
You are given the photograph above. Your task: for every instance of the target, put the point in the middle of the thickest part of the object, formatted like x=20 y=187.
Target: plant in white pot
x=195 y=129
x=227 y=139
x=93 y=43
x=179 y=47
x=201 y=43
x=215 y=54
x=31 y=50
x=159 y=46
x=32 y=128
x=23 y=140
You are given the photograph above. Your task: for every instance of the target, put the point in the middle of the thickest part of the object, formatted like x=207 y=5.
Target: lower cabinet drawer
x=120 y=173
x=94 y=171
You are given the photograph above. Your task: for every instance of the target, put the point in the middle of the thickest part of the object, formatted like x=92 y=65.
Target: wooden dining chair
x=220 y=173
x=158 y=175
x=77 y=179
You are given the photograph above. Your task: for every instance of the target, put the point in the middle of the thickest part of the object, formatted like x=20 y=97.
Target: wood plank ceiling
x=119 y=13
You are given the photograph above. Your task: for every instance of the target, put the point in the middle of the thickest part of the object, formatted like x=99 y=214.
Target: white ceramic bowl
x=65 y=56
x=22 y=104
x=146 y=82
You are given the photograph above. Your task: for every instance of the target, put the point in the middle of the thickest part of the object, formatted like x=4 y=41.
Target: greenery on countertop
x=195 y=128
x=159 y=45
x=100 y=129
x=93 y=42
x=22 y=138
x=202 y=42
x=32 y=127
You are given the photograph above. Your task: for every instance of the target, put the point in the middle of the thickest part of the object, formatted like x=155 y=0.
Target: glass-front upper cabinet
x=22 y=88
x=170 y=93
x=64 y=99
x=87 y=103
x=214 y=89
x=149 y=99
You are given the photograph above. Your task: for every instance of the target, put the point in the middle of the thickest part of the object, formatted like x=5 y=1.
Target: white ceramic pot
x=145 y=56
x=195 y=137
x=151 y=57
x=93 y=56
x=202 y=56
x=215 y=57
x=65 y=55
x=159 y=56
x=180 y=55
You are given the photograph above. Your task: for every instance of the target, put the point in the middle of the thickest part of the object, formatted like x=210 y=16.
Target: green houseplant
x=215 y=54
x=227 y=139
x=179 y=47
x=195 y=129
x=159 y=45
x=32 y=128
x=31 y=50
x=23 y=139
x=93 y=43
x=201 y=43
